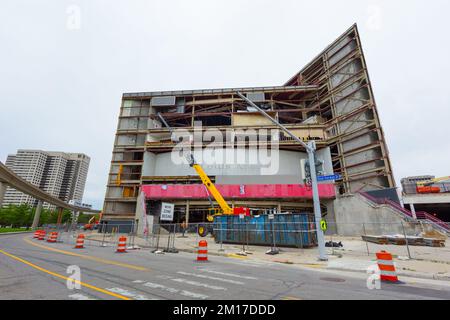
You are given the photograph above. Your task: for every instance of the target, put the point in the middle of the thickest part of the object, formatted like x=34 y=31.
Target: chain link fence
x=405 y=240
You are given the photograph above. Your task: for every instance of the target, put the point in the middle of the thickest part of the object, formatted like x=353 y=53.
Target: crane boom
x=431 y=181
x=212 y=189
x=226 y=209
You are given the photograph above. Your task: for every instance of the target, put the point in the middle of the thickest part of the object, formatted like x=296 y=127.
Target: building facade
x=329 y=101
x=60 y=174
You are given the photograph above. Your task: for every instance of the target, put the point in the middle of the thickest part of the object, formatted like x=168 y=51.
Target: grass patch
x=7 y=230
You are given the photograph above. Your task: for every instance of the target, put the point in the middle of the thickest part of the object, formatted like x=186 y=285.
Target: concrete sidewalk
x=356 y=255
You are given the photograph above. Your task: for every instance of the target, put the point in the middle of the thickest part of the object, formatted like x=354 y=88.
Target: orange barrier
x=53 y=237
x=80 y=242
x=41 y=235
x=122 y=245
x=386 y=266
x=202 y=253
x=37 y=233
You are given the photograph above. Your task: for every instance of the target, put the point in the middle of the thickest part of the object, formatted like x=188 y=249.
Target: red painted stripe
x=384 y=256
x=254 y=191
x=386 y=267
x=389 y=278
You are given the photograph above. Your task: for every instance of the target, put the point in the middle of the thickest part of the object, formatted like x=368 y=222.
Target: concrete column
x=187 y=211
x=413 y=211
x=60 y=212
x=279 y=207
x=2 y=192
x=37 y=215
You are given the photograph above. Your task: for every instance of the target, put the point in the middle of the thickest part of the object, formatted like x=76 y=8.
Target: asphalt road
x=32 y=269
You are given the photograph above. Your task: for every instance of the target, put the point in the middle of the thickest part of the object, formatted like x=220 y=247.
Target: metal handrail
x=420 y=215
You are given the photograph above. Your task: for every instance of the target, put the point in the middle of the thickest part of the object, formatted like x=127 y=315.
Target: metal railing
x=421 y=215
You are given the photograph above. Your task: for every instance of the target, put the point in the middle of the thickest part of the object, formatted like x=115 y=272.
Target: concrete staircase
x=407 y=215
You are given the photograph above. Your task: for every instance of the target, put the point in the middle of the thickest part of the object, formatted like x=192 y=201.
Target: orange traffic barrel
x=386 y=266
x=41 y=235
x=80 y=242
x=53 y=237
x=122 y=245
x=202 y=253
x=37 y=233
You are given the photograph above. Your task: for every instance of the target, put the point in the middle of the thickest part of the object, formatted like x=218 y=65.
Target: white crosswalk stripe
x=210 y=278
x=79 y=296
x=227 y=274
x=129 y=294
x=185 y=293
x=197 y=284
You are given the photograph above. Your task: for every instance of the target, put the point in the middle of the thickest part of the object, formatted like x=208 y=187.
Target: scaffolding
x=329 y=101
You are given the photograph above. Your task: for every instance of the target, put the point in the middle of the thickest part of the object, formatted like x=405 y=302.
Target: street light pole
x=311 y=150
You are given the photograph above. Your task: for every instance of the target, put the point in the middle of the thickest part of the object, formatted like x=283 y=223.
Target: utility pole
x=311 y=150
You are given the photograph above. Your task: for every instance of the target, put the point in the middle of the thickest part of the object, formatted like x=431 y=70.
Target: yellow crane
x=225 y=208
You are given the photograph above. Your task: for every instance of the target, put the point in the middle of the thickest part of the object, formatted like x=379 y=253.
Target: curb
x=403 y=274
x=15 y=232
x=310 y=265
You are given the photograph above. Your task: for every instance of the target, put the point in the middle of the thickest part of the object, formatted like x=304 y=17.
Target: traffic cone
x=202 y=253
x=122 y=245
x=386 y=266
x=80 y=242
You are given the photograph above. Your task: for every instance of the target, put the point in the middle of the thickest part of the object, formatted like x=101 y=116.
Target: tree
x=17 y=216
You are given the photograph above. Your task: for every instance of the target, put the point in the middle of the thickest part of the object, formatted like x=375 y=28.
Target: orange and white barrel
x=202 y=253
x=53 y=237
x=122 y=245
x=37 y=233
x=41 y=235
x=80 y=242
x=386 y=266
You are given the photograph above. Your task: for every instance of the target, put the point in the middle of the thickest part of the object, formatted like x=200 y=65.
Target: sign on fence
x=167 y=211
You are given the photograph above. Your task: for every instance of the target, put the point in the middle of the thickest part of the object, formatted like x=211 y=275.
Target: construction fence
x=418 y=241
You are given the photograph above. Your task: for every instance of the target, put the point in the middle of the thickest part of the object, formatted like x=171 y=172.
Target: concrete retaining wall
x=355 y=216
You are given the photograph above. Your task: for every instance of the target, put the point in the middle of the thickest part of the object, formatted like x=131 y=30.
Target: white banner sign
x=167 y=211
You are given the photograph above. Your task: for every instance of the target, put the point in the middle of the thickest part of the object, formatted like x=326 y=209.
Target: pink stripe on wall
x=260 y=191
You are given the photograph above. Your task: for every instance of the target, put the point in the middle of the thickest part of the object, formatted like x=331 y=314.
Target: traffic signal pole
x=311 y=150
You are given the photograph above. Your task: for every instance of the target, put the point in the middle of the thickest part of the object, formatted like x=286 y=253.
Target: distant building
x=60 y=174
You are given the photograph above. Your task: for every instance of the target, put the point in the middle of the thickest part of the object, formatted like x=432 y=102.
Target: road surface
x=32 y=269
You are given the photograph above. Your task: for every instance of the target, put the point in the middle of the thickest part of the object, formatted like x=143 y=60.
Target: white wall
x=286 y=166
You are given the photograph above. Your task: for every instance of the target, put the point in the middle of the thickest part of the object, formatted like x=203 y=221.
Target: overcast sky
x=65 y=64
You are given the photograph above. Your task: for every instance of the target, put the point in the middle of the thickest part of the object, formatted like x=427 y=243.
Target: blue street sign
x=331 y=177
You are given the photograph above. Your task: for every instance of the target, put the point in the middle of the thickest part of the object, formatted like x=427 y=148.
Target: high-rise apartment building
x=60 y=174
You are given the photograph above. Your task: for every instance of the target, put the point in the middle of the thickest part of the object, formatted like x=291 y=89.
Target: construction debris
x=400 y=240
x=332 y=244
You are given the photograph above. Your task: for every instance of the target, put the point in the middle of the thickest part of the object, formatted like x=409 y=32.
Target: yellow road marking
x=125 y=265
x=234 y=255
x=64 y=277
x=317 y=266
x=290 y=298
